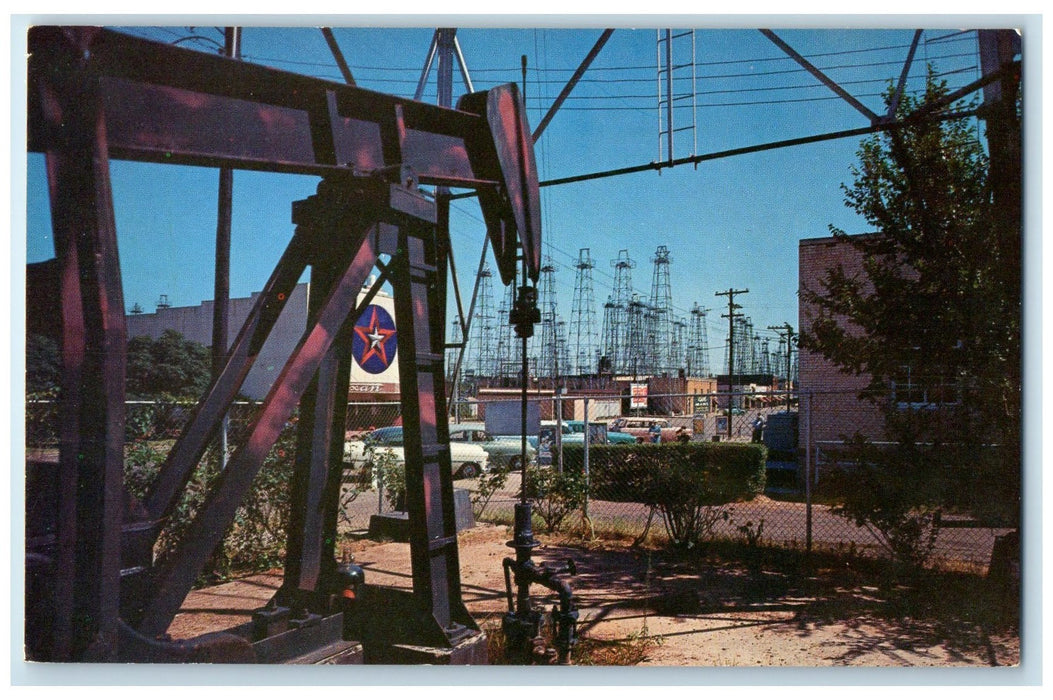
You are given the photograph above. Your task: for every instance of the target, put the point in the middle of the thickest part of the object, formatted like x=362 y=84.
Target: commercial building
x=374 y=372
x=829 y=396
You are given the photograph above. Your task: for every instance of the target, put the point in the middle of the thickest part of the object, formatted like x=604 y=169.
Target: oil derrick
x=507 y=348
x=787 y=358
x=583 y=318
x=610 y=335
x=742 y=340
x=548 y=365
x=763 y=355
x=648 y=363
x=778 y=359
x=454 y=349
x=563 y=363
x=617 y=311
x=697 y=360
x=483 y=338
x=678 y=347
x=636 y=338
x=662 y=355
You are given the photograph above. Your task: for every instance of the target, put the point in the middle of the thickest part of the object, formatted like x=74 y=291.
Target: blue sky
x=732 y=222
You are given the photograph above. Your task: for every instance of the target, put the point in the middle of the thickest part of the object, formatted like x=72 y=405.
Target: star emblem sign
x=375 y=342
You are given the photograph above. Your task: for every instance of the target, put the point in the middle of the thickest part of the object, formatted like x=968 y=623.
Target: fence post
x=808 y=474
x=557 y=402
x=585 y=505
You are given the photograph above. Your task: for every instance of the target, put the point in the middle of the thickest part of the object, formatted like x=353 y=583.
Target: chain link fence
x=806 y=459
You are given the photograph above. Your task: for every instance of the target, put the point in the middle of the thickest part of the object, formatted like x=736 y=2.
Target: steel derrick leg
x=311 y=571
x=206 y=532
x=81 y=556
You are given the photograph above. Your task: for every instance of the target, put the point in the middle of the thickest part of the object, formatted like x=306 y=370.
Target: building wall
x=835 y=410
x=195 y=323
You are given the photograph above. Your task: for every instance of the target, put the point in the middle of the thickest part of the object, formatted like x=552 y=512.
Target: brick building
x=835 y=410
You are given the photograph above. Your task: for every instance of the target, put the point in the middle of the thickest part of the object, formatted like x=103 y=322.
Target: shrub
x=256 y=539
x=554 y=494
x=625 y=473
x=691 y=485
x=489 y=484
x=391 y=473
x=894 y=493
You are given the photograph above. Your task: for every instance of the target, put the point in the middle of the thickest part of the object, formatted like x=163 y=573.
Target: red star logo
x=374 y=337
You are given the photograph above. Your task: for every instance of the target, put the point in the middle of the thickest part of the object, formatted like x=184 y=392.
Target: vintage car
x=640 y=428
x=577 y=427
x=504 y=450
x=468 y=461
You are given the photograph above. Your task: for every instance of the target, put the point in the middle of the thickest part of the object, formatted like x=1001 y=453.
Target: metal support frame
x=86 y=546
x=96 y=94
x=822 y=77
x=572 y=83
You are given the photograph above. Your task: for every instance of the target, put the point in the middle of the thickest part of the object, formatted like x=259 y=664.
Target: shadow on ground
x=940 y=616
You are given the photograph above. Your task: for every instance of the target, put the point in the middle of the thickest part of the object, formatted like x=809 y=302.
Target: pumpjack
x=93 y=589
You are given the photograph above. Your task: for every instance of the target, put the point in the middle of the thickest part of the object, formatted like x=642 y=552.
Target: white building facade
x=374 y=372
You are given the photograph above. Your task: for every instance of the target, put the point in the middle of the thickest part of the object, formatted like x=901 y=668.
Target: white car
x=468 y=460
x=504 y=451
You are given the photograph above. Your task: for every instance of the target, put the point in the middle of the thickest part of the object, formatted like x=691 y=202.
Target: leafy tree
x=940 y=294
x=170 y=366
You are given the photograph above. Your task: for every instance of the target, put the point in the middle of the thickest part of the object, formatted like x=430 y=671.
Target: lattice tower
x=636 y=340
x=743 y=339
x=583 y=317
x=698 y=344
x=763 y=356
x=662 y=355
x=612 y=329
x=619 y=312
x=451 y=353
x=508 y=363
x=563 y=366
x=778 y=366
x=547 y=357
x=678 y=348
x=483 y=329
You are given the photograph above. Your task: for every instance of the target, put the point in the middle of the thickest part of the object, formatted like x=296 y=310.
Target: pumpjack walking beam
x=96 y=95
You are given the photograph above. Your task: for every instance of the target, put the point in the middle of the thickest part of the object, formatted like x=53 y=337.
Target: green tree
x=939 y=302
x=170 y=366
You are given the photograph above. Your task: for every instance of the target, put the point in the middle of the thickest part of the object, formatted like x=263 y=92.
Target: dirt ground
x=687 y=610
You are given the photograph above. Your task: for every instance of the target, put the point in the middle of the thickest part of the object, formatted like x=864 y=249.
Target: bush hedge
x=644 y=473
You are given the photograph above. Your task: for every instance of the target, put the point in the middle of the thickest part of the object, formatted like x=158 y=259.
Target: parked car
x=577 y=427
x=640 y=428
x=467 y=460
x=503 y=451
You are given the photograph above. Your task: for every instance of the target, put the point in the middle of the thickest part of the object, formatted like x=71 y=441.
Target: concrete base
x=395 y=525
x=469 y=652
x=318 y=642
x=394 y=629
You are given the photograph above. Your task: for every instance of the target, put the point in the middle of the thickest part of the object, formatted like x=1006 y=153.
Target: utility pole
x=785 y=331
x=731 y=316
